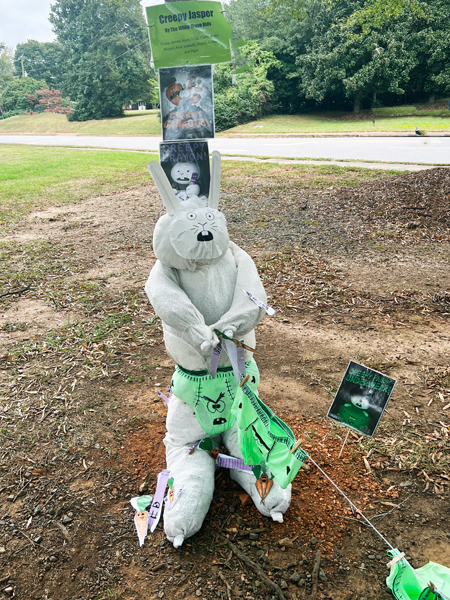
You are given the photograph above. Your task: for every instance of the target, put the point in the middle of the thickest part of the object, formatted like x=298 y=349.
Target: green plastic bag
x=430 y=582
x=264 y=438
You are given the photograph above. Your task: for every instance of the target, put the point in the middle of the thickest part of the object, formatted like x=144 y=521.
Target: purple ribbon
x=163 y=396
x=229 y=462
x=215 y=359
x=154 y=514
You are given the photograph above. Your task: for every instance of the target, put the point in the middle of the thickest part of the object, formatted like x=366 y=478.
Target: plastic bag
x=430 y=582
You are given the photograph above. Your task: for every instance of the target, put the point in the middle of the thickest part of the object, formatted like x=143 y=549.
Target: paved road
x=429 y=150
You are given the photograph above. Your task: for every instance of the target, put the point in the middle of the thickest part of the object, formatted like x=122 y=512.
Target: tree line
x=294 y=56
x=320 y=55
x=101 y=61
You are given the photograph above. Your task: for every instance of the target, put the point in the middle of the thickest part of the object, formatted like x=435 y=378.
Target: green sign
x=188 y=33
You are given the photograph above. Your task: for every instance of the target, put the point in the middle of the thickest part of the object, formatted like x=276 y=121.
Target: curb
x=336 y=135
x=324 y=163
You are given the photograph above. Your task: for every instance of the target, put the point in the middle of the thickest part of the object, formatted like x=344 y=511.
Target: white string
x=351 y=504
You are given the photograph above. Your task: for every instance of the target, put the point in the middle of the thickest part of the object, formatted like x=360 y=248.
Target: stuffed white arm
x=175 y=308
x=243 y=315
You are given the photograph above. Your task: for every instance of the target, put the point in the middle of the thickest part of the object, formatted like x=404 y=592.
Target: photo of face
x=182 y=173
x=173 y=93
x=361 y=398
x=195 y=99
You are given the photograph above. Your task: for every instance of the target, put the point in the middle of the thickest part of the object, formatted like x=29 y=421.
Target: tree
x=49 y=101
x=6 y=66
x=283 y=28
x=14 y=94
x=436 y=47
x=246 y=93
x=41 y=60
x=108 y=49
x=344 y=60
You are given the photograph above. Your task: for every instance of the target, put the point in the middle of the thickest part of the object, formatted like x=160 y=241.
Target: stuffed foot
x=274 y=505
x=178 y=541
x=277 y=501
x=277 y=517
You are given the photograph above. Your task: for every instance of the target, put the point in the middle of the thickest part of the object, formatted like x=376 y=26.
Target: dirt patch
x=27 y=318
x=82 y=425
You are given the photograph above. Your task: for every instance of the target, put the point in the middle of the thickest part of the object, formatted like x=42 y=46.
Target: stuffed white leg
x=192 y=472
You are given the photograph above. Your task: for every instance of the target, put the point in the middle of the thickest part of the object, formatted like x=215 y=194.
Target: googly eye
x=210 y=216
x=191 y=216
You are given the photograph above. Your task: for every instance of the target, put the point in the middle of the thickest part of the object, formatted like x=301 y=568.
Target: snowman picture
x=184 y=177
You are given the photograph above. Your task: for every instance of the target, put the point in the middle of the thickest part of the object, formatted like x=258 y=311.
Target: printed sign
x=186 y=96
x=186 y=165
x=361 y=398
x=188 y=33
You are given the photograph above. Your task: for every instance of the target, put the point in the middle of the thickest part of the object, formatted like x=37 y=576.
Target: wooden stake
x=315 y=575
x=345 y=441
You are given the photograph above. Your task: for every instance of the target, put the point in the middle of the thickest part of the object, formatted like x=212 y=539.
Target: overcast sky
x=22 y=20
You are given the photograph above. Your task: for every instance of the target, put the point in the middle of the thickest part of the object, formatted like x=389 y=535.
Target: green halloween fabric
x=212 y=398
x=263 y=437
x=430 y=582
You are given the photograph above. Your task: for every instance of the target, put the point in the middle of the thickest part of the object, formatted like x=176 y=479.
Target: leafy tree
x=377 y=14
x=6 y=66
x=41 y=60
x=246 y=93
x=108 y=50
x=282 y=27
x=344 y=60
x=14 y=94
x=435 y=39
x=50 y=101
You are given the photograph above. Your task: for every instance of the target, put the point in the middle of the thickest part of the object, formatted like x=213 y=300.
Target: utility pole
x=23 y=70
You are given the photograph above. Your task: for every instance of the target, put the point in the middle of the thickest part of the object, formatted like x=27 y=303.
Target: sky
x=22 y=20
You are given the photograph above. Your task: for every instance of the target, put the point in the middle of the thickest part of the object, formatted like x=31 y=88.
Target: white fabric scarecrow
x=197 y=285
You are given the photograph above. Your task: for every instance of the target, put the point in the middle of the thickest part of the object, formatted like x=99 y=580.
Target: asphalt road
x=429 y=150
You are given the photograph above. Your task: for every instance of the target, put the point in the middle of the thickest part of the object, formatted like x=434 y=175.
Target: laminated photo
x=186 y=165
x=186 y=99
x=361 y=398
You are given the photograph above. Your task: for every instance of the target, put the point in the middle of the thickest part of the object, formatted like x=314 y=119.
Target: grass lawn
x=399 y=118
x=148 y=123
x=37 y=177
x=395 y=119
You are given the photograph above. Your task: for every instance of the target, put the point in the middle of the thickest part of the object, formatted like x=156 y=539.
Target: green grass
x=285 y=178
x=389 y=119
x=395 y=119
x=144 y=123
x=37 y=177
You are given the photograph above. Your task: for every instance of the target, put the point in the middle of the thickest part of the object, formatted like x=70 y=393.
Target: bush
x=242 y=95
x=13 y=96
x=12 y=113
x=225 y=114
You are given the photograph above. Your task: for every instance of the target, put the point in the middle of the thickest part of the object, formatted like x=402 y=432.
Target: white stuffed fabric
x=197 y=285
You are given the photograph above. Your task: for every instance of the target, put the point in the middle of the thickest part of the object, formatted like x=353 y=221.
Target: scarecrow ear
x=214 y=187
x=170 y=201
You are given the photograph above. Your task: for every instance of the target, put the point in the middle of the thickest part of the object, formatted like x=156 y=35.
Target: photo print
x=186 y=165
x=361 y=398
x=186 y=99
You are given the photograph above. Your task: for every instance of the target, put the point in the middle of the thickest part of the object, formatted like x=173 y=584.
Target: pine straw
x=297 y=281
